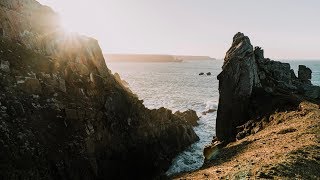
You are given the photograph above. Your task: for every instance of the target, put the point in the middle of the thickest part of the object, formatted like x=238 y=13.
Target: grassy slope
x=289 y=148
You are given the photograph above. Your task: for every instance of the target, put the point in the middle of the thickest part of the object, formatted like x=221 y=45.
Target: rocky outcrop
x=304 y=73
x=208 y=111
x=236 y=82
x=189 y=116
x=63 y=115
x=121 y=81
x=252 y=86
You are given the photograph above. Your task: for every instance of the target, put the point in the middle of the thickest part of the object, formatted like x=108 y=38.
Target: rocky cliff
x=252 y=87
x=268 y=121
x=63 y=115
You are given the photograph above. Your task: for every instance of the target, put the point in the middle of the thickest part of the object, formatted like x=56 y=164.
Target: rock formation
x=208 y=111
x=122 y=82
x=63 y=115
x=190 y=116
x=252 y=87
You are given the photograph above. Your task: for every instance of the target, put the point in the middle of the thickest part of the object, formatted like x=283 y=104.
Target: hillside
x=288 y=148
x=152 y=58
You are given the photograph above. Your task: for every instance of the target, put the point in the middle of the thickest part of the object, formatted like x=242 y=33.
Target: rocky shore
x=63 y=115
x=267 y=120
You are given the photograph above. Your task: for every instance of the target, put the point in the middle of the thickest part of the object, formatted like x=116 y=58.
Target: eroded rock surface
x=63 y=115
x=252 y=86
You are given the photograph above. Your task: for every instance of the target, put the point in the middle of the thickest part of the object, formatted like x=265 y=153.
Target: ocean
x=178 y=86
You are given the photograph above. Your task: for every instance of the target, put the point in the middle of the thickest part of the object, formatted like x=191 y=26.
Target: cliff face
x=252 y=87
x=64 y=116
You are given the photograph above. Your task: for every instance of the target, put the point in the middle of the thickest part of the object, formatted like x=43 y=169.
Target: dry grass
x=287 y=149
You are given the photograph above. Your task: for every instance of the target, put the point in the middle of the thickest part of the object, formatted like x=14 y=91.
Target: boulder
x=190 y=116
x=208 y=73
x=209 y=111
x=31 y=86
x=200 y=74
x=304 y=73
x=121 y=81
x=211 y=151
x=5 y=66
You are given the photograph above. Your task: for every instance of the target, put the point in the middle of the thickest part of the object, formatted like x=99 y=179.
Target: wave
x=211 y=104
x=192 y=158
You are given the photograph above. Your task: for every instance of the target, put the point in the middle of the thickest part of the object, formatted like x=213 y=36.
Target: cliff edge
x=63 y=115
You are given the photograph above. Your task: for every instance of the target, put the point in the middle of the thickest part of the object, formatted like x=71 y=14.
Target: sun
x=71 y=24
x=75 y=15
x=78 y=22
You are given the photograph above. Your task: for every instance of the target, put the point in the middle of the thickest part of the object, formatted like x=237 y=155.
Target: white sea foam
x=211 y=104
x=178 y=86
x=192 y=158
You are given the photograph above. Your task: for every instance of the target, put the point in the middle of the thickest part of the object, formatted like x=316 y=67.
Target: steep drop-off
x=63 y=115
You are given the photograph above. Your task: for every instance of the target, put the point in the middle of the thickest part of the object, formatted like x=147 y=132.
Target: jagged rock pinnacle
x=252 y=86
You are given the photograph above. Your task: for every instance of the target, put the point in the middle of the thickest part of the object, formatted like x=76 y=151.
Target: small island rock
x=190 y=116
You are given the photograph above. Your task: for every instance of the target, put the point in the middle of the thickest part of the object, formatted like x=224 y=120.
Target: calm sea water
x=178 y=86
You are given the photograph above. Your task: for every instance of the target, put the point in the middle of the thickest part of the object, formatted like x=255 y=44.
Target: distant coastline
x=153 y=58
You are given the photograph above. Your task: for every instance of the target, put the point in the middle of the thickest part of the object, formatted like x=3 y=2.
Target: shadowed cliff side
x=63 y=115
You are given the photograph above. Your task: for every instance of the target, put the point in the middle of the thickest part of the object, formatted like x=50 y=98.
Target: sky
x=285 y=29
